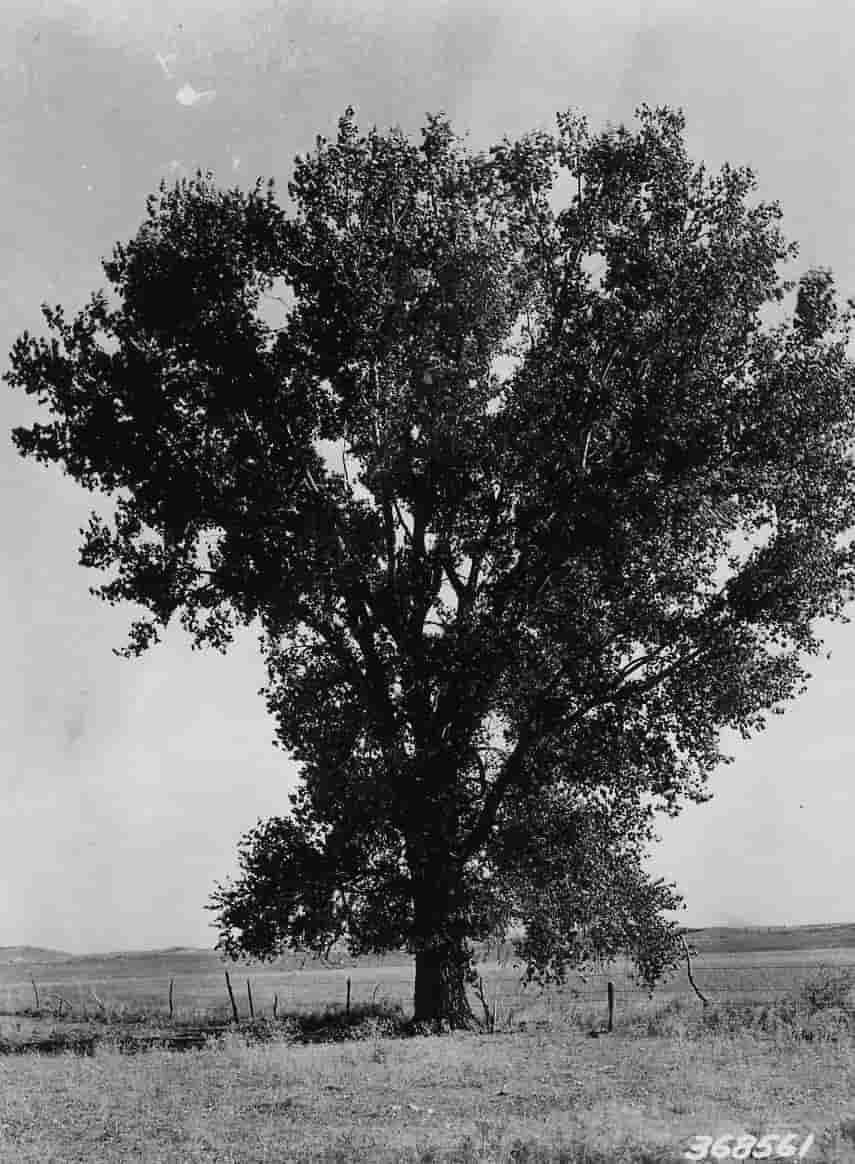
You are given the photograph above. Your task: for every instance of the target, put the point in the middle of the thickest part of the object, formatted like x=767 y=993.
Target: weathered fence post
x=611 y=994
x=171 y=988
x=232 y=998
x=36 y=993
x=249 y=999
x=275 y=1004
x=347 y=1002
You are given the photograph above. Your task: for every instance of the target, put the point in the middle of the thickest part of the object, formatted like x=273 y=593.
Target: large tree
x=532 y=490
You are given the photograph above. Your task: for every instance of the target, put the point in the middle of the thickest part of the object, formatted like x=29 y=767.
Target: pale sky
x=127 y=784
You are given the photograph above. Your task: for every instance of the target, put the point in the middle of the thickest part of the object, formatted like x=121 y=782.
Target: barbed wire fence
x=785 y=988
x=502 y=991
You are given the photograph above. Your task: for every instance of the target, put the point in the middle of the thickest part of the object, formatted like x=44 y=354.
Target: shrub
x=829 y=987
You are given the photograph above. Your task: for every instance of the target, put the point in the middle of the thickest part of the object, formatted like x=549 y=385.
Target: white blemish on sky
x=165 y=62
x=188 y=96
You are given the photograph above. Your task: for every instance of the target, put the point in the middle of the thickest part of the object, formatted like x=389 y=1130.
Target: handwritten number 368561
x=765 y=1147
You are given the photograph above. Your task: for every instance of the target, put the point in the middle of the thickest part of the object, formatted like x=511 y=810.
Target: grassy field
x=127 y=984
x=133 y=983
x=557 y=1095
x=538 y=1089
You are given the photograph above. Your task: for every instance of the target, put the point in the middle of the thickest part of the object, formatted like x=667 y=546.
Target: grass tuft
x=829 y=988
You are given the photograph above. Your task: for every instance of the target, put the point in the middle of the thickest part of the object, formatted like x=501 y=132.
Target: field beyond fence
x=190 y=985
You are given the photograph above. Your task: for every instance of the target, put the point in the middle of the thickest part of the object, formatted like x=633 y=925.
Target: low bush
x=812 y=1015
x=364 y=1021
x=830 y=987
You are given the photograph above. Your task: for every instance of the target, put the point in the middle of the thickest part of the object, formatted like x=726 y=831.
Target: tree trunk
x=440 y=992
x=442 y=951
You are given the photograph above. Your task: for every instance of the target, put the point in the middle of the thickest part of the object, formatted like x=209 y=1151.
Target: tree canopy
x=533 y=489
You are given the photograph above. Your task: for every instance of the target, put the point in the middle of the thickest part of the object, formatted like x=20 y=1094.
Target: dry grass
x=130 y=985
x=631 y=1097
x=133 y=984
x=539 y=1090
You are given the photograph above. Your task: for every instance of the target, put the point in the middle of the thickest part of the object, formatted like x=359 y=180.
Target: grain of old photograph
x=428 y=486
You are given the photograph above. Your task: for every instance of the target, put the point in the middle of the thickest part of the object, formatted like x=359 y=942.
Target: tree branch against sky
x=582 y=513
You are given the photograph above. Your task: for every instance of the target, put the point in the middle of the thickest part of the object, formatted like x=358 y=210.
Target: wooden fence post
x=347 y=1003
x=275 y=1004
x=171 y=988
x=611 y=993
x=249 y=998
x=36 y=993
x=232 y=998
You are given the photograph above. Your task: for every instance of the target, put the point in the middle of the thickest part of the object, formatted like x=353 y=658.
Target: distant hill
x=12 y=954
x=732 y=940
x=706 y=940
x=160 y=952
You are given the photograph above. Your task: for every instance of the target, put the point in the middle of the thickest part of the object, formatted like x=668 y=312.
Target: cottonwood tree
x=532 y=490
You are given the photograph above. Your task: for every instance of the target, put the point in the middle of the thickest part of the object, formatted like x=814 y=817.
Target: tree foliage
x=528 y=495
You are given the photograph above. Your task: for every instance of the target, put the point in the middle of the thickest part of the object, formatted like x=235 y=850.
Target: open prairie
x=550 y=1095
x=760 y=1058
x=728 y=965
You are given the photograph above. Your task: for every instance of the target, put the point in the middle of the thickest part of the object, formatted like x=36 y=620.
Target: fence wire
x=742 y=985
x=830 y=983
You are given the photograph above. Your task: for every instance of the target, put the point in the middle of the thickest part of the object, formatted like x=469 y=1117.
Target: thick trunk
x=440 y=918
x=440 y=994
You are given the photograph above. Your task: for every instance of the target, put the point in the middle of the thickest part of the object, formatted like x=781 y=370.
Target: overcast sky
x=126 y=784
